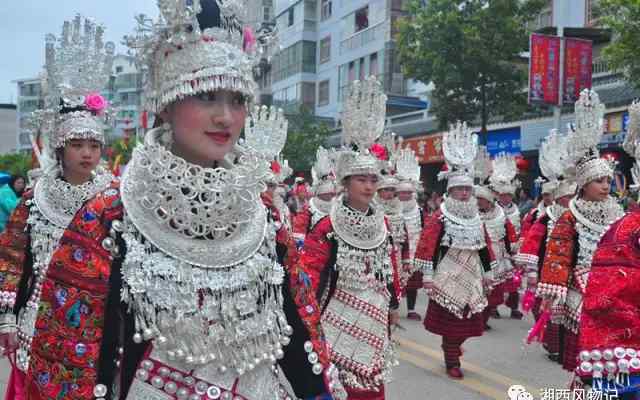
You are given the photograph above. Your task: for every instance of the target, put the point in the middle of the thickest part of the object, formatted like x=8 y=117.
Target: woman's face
x=326 y=196
x=547 y=199
x=461 y=193
x=19 y=185
x=484 y=204
x=597 y=190
x=387 y=193
x=405 y=195
x=206 y=126
x=79 y=158
x=564 y=200
x=505 y=198
x=360 y=190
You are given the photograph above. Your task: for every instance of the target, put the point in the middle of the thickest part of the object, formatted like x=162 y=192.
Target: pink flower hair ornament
x=96 y=103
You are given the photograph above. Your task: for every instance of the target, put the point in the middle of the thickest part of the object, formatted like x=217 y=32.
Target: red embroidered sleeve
x=559 y=259
x=305 y=278
x=492 y=254
x=528 y=256
x=428 y=245
x=301 y=222
x=527 y=222
x=13 y=253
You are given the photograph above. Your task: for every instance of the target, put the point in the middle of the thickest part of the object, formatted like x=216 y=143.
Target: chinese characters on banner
x=577 y=68
x=428 y=149
x=544 y=69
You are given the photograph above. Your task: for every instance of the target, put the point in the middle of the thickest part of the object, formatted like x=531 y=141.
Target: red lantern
x=522 y=164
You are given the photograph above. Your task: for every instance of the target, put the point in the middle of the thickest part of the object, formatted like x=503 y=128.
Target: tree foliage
x=304 y=136
x=623 y=18
x=471 y=51
x=16 y=163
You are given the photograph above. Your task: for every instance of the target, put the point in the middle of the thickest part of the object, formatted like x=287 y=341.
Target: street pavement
x=491 y=363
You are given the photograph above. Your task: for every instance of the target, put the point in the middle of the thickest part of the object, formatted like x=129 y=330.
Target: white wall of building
x=8 y=128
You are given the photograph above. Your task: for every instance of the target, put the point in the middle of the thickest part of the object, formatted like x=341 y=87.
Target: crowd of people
x=199 y=274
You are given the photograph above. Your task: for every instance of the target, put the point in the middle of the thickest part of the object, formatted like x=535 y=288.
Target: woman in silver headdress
x=78 y=65
x=183 y=251
x=575 y=235
x=346 y=280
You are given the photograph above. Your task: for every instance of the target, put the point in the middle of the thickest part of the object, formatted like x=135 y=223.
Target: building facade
x=326 y=44
x=30 y=98
x=125 y=96
x=8 y=127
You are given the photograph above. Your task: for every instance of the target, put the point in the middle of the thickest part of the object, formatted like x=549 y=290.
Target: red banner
x=428 y=149
x=578 y=55
x=544 y=69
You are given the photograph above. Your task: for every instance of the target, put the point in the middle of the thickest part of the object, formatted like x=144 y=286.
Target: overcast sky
x=24 y=24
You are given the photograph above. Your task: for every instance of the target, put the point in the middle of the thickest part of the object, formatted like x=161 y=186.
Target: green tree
x=623 y=18
x=471 y=51
x=16 y=163
x=304 y=136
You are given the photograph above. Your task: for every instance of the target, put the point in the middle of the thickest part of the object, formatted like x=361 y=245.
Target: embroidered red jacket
x=611 y=303
x=14 y=256
x=430 y=251
x=559 y=259
x=319 y=254
x=533 y=246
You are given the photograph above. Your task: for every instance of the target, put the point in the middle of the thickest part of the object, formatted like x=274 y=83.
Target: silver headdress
x=196 y=46
x=78 y=66
x=554 y=163
x=323 y=173
x=483 y=169
x=584 y=137
x=632 y=143
x=265 y=131
x=407 y=170
x=503 y=178
x=363 y=118
x=460 y=146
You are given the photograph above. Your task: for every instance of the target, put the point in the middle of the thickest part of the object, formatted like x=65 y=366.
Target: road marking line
x=470 y=382
x=482 y=371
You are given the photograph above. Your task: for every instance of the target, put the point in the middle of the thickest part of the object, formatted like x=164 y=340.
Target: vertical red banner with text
x=578 y=55
x=544 y=69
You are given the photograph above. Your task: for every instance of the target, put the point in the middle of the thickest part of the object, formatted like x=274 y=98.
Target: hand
x=8 y=343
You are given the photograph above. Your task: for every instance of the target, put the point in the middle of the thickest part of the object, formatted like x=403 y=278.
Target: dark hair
x=12 y=182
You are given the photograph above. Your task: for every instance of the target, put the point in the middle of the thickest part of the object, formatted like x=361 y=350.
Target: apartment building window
x=352 y=71
x=290 y=16
x=361 y=19
x=361 y=70
x=323 y=93
x=119 y=69
x=325 y=49
x=373 y=64
x=325 y=9
x=297 y=58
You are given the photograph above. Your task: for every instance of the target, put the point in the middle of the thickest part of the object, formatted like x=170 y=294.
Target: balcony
x=364 y=37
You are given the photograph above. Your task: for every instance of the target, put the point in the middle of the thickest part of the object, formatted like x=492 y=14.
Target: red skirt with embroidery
x=442 y=322
x=569 y=350
x=355 y=394
x=415 y=281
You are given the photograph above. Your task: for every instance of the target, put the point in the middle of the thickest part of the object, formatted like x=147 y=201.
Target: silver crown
x=362 y=123
x=407 y=166
x=503 y=178
x=78 y=67
x=265 y=131
x=584 y=137
x=79 y=62
x=554 y=156
x=181 y=59
x=482 y=164
x=460 y=146
x=364 y=113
